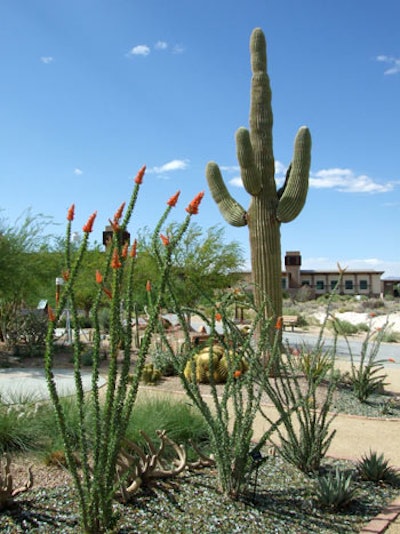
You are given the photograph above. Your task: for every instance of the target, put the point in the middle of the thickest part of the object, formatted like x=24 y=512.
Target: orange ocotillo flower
x=140 y=174
x=124 y=251
x=107 y=292
x=118 y=213
x=133 y=251
x=237 y=374
x=115 y=261
x=114 y=224
x=99 y=277
x=71 y=213
x=218 y=317
x=88 y=227
x=51 y=314
x=193 y=208
x=148 y=286
x=279 y=323
x=164 y=239
x=174 y=199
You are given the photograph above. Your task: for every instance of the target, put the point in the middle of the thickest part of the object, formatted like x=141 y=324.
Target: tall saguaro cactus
x=269 y=206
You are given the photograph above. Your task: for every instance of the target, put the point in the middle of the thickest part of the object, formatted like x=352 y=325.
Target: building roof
x=334 y=271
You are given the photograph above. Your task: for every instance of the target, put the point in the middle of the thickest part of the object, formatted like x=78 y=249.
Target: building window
x=283 y=283
x=333 y=284
x=363 y=285
x=348 y=284
x=305 y=283
x=320 y=285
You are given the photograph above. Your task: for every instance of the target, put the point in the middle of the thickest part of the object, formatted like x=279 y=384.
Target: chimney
x=292 y=265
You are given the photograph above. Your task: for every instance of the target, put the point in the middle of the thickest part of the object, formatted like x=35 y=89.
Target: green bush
x=344 y=328
x=21 y=428
x=181 y=421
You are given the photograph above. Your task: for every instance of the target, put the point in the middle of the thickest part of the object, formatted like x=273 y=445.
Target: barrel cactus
x=269 y=206
x=215 y=360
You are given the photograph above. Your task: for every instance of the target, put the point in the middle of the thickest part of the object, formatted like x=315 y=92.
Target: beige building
x=353 y=282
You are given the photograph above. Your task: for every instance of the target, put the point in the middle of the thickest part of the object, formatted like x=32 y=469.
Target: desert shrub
x=305 y=434
x=301 y=320
x=304 y=294
x=391 y=337
x=367 y=376
x=104 y=320
x=343 y=327
x=26 y=332
x=373 y=304
x=163 y=361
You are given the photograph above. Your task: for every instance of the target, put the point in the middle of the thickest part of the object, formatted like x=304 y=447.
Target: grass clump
x=181 y=421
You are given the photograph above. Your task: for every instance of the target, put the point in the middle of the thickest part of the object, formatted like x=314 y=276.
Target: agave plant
x=375 y=468
x=335 y=491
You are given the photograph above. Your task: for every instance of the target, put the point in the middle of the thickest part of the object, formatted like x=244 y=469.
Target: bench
x=289 y=320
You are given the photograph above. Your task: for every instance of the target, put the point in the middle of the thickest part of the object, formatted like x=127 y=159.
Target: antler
x=7 y=493
x=203 y=461
x=135 y=470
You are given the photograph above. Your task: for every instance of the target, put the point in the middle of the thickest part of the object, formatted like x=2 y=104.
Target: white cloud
x=342 y=180
x=161 y=45
x=140 y=50
x=46 y=59
x=280 y=173
x=393 y=61
x=173 y=165
x=145 y=50
x=236 y=182
x=78 y=171
x=229 y=168
x=178 y=49
x=346 y=181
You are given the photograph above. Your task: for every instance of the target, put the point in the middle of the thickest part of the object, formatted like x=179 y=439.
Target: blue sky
x=93 y=89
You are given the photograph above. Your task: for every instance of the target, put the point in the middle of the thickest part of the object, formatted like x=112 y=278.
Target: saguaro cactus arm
x=294 y=192
x=230 y=209
x=251 y=178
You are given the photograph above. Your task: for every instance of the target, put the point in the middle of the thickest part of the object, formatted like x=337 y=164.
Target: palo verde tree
x=269 y=206
x=202 y=265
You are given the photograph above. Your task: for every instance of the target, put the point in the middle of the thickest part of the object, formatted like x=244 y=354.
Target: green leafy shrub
x=373 y=304
x=342 y=327
x=305 y=434
x=391 y=337
x=366 y=376
x=25 y=331
x=162 y=360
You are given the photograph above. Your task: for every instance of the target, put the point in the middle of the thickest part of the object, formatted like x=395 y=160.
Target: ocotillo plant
x=93 y=458
x=269 y=206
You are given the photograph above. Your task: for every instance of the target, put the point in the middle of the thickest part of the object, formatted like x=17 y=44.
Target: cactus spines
x=268 y=207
